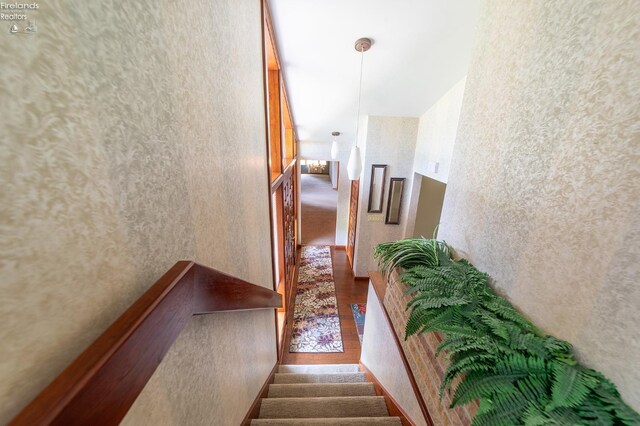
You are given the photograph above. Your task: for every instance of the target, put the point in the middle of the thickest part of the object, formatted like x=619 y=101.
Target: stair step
x=346 y=421
x=303 y=390
x=329 y=407
x=319 y=378
x=319 y=368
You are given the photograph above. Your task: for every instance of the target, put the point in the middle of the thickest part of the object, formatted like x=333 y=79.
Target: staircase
x=323 y=395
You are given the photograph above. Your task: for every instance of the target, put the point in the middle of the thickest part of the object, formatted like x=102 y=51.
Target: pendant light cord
x=359 y=95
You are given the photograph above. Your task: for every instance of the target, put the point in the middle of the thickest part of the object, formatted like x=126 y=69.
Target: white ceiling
x=421 y=48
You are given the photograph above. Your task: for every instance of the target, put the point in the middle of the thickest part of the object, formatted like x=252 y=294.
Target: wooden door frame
x=350 y=250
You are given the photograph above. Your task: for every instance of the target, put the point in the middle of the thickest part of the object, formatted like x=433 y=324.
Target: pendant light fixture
x=354 y=166
x=334 y=146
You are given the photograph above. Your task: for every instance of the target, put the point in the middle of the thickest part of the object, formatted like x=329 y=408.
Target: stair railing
x=101 y=384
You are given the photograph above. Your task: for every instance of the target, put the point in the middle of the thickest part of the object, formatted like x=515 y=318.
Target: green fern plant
x=518 y=374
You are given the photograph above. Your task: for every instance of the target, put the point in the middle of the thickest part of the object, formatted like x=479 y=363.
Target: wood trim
x=270 y=32
x=266 y=140
x=384 y=181
x=340 y=247
x=352 y=227
x=265 y=104
x=215 y=291
x=275 y=142
x=254 y=409
x=283 y=176
x=380 y=287
x=379 y=284
x=391 y=181
x=395 y=410
x=101 y=384
x=288 y=144
x=274 y=45
x=277 y=182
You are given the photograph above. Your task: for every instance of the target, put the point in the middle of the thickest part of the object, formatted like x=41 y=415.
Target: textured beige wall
x=544 y=189
x=381 y=356
x=133 y=136
x=437 y=134
x=390 y=141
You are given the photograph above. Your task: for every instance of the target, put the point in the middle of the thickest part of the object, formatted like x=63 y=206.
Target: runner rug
x=316 y=323
x=359 y=313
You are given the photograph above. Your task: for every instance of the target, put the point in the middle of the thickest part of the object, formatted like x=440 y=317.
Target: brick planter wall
x=427 y=368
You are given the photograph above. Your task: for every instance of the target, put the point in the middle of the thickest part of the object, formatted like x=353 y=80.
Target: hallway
x=319 y=202
x=348 y=290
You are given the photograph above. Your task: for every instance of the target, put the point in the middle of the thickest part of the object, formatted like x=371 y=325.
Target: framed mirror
x=376 y=187
x=394 y=203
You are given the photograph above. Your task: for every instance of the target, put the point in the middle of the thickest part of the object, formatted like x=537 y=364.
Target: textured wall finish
x=133 y=136
x=544 y=188
x=391 y=141
x=437 y=134
x=381 y=356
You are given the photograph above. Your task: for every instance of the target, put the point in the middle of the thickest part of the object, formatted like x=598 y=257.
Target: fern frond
x=479 y=344
x=466 y=364
x=534 y=415
x=450 y=343
x=625 y=414
x=457 y=330
x=496 y=325
x=527 y=342
x=432 y=280
x=417 y=320
x=608 y=395
x=502 y=308
x=522 y=364
x=431 y=301
x=593 y=411
x=503 y=412
x=557 y=346
x=407 y=253
x=534 y=388
x=477 y=385
x=564 y=416
x=570 y=386
x=437 y=319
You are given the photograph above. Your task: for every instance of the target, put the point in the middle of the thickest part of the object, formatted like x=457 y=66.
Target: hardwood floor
x=318 y=204
x=348 y=290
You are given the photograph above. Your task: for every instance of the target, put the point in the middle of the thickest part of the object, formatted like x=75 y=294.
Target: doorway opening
x=429 y=207
x=318 y=201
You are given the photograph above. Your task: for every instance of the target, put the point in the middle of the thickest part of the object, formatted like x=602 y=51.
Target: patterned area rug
x=359 y=313
x=316 y=323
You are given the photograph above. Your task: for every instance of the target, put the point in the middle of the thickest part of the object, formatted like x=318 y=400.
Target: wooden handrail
x=101 y=384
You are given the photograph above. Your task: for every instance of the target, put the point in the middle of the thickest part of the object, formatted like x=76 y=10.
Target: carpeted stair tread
x=345 y=421
x=319 y=378
x=302 y=390
x=323 y=407
x=319 y=368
